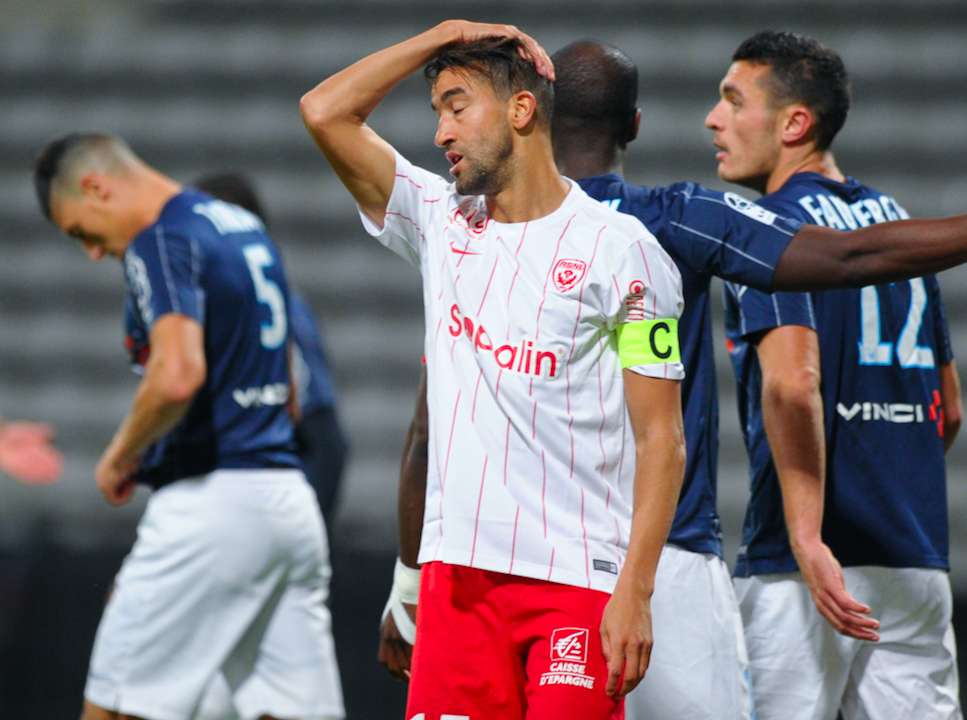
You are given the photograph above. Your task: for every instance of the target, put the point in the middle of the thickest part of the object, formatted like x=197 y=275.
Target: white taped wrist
x=406 y=589
x=406 y=583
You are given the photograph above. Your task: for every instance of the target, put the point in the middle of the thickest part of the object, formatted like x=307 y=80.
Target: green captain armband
x=649 y=342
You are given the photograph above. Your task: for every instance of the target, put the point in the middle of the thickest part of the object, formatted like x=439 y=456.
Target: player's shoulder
x=617 y=229
x=187 y=215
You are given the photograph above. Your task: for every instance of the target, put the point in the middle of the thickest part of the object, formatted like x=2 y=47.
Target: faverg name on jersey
x=836 y=213
x=521 y=358
x=273 y=394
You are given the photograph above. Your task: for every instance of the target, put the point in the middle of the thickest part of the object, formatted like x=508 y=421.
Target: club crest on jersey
x=569 y=657
x=568 y=272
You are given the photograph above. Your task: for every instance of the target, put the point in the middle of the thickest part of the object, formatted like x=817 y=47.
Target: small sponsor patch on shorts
x=569 y=657
x=606 y=566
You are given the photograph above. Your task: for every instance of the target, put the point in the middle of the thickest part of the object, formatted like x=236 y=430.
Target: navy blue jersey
x=880 y=352
x=213 y=262
x=706 y=233
x=309 y=367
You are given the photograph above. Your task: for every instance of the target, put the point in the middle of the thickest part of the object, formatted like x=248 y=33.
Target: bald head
x=63 y=162
x=595 y=93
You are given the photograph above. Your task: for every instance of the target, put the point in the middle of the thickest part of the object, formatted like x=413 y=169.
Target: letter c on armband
x=649 y=342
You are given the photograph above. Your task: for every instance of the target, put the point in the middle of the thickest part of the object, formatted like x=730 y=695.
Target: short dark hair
x=47 y=166
x=596 y=90
x=803 y=70
x=498 y=60
x=235 y=188
x=68 y=153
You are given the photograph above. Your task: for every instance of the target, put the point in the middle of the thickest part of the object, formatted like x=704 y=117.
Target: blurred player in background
x=322 y=444
x=229 y=568
x=26 y=453
x=892 y=405
x=547 y=509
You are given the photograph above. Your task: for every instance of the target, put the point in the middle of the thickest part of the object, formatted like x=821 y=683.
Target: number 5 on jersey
x=267 y=292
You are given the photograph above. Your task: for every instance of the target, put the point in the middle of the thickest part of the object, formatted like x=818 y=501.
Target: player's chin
x=726 y=173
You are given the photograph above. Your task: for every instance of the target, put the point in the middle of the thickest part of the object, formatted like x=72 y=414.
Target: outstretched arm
x=335 y=111
x=819 y=257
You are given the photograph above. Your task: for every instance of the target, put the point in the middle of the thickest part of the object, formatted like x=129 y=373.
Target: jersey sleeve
x=644 y=307
x=417 y=203
x=724 y=234
x=756 y=312
x=163 y=275
x=941 y=332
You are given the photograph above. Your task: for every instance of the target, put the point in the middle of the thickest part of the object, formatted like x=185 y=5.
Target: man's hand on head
x=530 y=49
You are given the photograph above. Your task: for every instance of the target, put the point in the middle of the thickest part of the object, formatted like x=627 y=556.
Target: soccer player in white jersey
x=556 y=445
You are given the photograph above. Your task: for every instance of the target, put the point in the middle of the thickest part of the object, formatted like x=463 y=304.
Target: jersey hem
x=524 y=568
x=746 y=568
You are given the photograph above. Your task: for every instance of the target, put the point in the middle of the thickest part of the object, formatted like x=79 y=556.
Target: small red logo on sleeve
x=568 y=272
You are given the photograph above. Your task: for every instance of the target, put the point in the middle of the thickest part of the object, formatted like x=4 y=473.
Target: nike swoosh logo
x=460 y=251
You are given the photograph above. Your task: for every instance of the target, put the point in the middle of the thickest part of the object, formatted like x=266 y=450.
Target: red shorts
x=491 y=646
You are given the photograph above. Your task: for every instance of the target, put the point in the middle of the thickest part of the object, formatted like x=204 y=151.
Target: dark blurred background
x=205 y=85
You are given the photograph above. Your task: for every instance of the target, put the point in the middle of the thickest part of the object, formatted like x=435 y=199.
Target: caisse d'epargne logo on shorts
x=569 y=657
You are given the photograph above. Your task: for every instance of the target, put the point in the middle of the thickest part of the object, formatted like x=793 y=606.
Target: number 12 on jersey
x=874 y=351
x=258 y=258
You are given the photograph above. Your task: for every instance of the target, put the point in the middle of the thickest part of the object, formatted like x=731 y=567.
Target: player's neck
x=153 y=191
x=535 y=188
x=582 y=158
x=820 y=162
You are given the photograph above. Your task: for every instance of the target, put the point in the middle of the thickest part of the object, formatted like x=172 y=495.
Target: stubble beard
x=489 y=172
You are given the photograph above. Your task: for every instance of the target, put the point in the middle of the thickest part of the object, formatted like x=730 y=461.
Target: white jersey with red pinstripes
x=531 y=451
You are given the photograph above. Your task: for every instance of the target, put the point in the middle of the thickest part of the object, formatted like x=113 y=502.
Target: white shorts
x=229 y=574
x=699 y=668
x=802 y=669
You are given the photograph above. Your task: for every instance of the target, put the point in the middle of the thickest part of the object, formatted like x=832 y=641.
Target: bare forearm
x=794 y=425
x=413 y=469
x=953 y=404
x=820 y=258
x=152 y=415
x=353 y=93
x=412 y=496
x=660 y=467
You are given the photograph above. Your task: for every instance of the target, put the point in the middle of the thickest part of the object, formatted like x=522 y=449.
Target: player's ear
x=798 y=123
x=95 y=186
x=634 y=125
x=523 y=109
